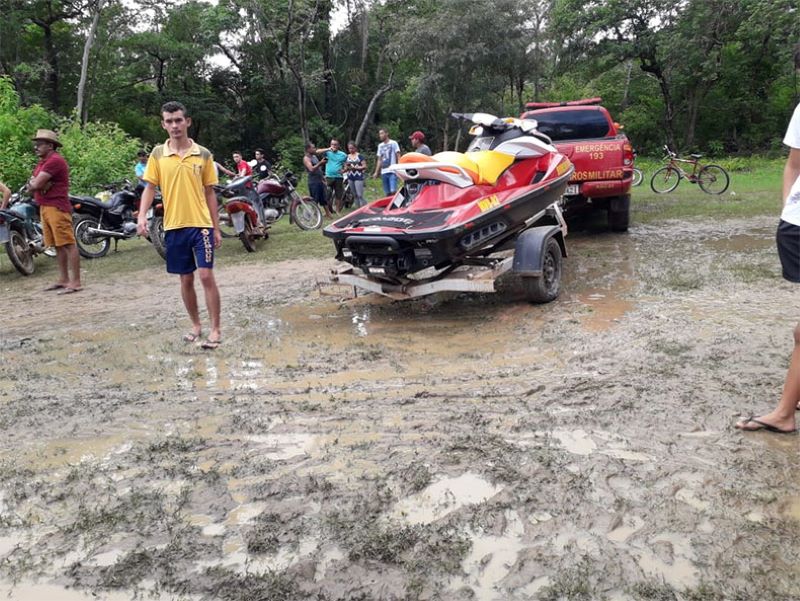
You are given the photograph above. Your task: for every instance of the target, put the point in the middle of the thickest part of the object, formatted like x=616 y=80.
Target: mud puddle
x=461 y=447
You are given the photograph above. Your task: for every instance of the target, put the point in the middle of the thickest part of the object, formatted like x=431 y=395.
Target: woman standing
x=316 y=187
x=355 y=165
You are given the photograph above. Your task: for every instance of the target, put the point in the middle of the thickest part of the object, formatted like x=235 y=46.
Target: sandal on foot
x=54 y=287
x=764 y=426
x=192 y=337
x=210 y=345
x=69 y=290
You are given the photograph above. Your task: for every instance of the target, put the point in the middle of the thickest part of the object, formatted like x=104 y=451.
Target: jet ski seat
x=483 y=166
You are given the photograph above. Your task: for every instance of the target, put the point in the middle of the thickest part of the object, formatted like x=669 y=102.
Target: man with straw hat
x=50 y=187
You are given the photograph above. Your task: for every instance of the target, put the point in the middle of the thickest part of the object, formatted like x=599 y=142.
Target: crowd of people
x=190 y=203
x=331 y=170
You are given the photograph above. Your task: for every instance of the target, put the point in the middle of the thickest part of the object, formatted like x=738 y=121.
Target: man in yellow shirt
x=186 y=174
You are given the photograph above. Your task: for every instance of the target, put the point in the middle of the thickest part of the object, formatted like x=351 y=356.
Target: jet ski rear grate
x=478 y=237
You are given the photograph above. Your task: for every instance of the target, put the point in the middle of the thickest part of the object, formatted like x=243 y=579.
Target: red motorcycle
x=241 y=210
x=251 y=212
x=279 y=196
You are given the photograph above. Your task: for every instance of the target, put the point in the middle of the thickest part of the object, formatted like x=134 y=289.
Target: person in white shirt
x=388 y=154
x=782 y=419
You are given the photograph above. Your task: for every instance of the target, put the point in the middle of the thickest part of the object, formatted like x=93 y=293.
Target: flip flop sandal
x=68 y=290
x=54 y=287
x=192 y=337
x=764 y=426
x=210 y=345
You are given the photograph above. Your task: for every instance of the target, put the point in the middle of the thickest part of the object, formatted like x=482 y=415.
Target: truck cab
x=584 y=132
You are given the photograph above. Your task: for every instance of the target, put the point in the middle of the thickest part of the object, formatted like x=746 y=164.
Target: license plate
x=571 y=190
x=3 y=234
x=238 y=222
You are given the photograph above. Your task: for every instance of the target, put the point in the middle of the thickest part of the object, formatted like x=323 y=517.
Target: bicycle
x=638 y=176
x=712 y=179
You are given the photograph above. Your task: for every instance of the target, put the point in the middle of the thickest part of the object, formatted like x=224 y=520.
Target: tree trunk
x=373 y=104
x=82 y=112
x=51 y=56
x=650 y=65
x=691 y=125
x=364 y=35
x=625 y=97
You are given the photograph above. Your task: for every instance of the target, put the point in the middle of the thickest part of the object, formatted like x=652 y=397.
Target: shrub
x=97 y=153
x=290 y=152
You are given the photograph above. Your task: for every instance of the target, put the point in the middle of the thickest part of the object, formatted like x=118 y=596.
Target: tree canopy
x=713 y=75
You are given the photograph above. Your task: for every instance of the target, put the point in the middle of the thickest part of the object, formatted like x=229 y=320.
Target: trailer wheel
x=545 y=288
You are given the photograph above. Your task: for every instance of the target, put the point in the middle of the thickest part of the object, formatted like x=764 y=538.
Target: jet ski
x=454 y=208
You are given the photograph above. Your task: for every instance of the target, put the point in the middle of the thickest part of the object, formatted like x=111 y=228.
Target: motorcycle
x=96 y=222
x=21 y=233
x=242 y=210
x=279 y=196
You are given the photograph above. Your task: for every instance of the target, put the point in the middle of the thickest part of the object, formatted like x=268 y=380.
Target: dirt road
x=474 y=447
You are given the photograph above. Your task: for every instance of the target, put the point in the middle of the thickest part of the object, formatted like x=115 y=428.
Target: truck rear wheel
x=545 y=288
x=619 y=212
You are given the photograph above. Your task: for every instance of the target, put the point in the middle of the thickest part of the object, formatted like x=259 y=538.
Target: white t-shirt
x=791 y=208
x=387 y=154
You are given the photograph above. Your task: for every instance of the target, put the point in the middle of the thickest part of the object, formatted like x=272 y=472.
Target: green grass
x=755 y=189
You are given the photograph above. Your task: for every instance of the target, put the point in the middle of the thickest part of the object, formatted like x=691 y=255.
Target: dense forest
x=712 y=75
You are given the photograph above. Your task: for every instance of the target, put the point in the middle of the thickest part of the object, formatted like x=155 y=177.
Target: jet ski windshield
x=490 y=131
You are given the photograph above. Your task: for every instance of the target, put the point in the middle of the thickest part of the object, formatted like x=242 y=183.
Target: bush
x=97 y=153
x=290 y=151
x=17 y=127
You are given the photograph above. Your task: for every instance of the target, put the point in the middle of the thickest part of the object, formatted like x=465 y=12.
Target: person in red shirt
x=241 y=165
x=50 y=187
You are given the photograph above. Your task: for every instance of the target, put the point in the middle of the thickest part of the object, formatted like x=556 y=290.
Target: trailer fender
x=530 y=248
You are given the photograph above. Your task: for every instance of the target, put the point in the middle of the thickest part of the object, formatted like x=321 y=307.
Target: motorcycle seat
x=89 y=200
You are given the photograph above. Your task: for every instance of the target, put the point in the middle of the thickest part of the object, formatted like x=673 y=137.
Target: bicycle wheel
x=638 y=176
x=713 y=179
x=665 y=180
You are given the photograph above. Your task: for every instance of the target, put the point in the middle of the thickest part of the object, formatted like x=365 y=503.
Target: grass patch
x=754 y=189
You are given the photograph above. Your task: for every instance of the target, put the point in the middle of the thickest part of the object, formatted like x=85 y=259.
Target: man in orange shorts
x=50 y=187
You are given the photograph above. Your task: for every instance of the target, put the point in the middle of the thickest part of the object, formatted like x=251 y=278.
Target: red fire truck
x=603 y=157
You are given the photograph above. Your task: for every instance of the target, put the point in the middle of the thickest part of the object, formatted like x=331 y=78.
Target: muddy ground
x=470 y=447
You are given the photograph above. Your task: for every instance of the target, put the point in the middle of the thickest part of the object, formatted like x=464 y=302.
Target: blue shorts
x=189 y=248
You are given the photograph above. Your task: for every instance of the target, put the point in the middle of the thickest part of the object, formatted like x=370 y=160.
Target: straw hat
x=47 y=135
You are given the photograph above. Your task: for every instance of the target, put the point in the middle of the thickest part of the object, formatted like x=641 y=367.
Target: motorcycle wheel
x=20 y=253
x=90 y=246
x=157 y=236
x=248 y=237
x=306 y=213
x=225 y=224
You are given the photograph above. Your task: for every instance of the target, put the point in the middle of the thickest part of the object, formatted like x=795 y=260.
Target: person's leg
x=189 y=297
x=213 y=302
x=338 y=191
x=203 y=248
x=317 y=191
x=358 y=192
x=329 y=196
x=49 y=240
x=181 y=261
x=66 y=248
x=782 y=417
x=392 y=183
x=62 y=257
x=74 y=264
